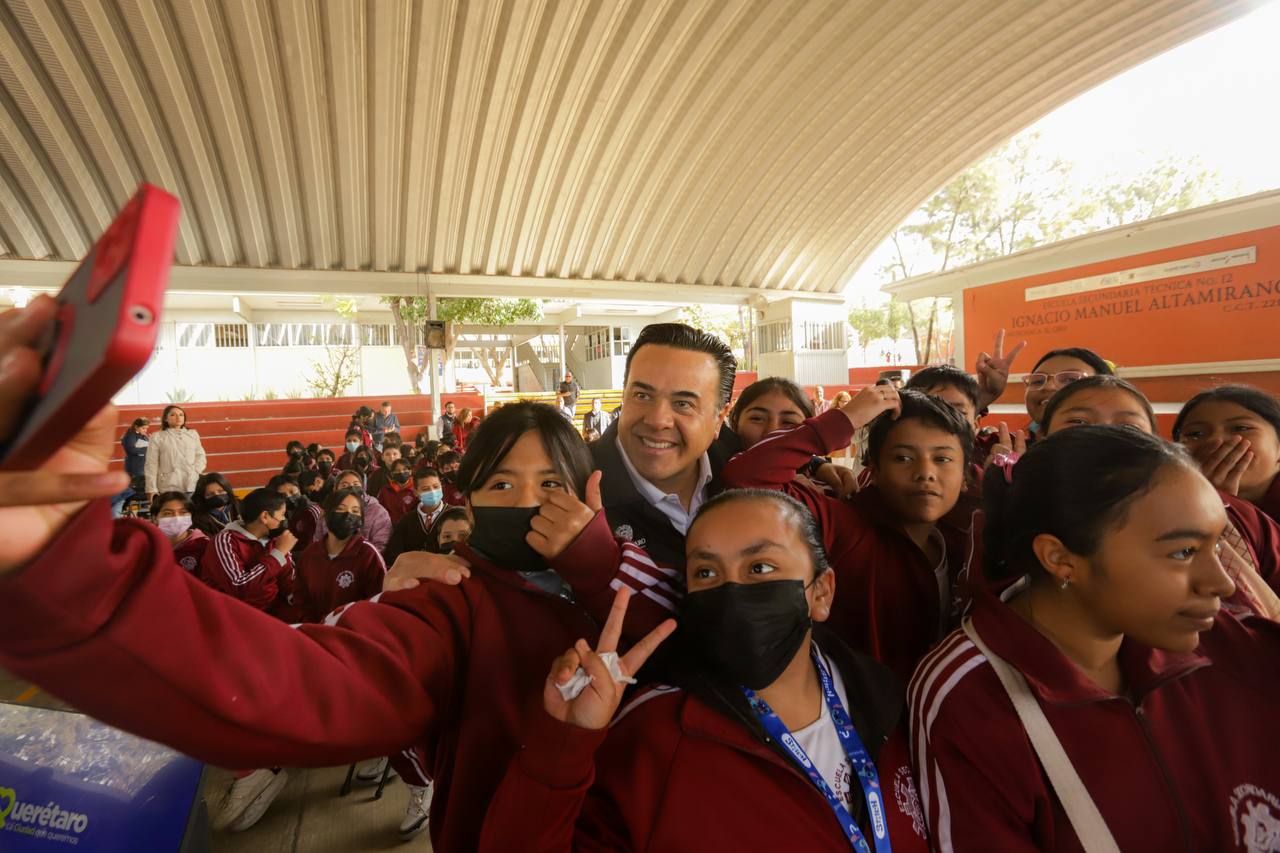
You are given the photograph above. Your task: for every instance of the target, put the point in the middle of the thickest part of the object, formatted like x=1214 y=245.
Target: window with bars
x=774 y=337
x=378 y=335
x=194 y=334
x=231 y=335
x=830 y=336
x=598 y=343
x=312 y=334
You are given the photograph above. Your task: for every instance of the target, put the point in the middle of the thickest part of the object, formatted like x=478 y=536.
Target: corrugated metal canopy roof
x=767 y=144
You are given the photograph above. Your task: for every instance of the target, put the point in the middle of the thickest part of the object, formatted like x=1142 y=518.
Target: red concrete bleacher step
x=245 y=440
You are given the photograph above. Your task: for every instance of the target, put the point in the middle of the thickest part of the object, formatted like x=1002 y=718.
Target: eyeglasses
x=1061 y=378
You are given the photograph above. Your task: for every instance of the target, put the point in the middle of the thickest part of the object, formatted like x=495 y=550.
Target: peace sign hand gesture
x=595 y=706
x=993 y=371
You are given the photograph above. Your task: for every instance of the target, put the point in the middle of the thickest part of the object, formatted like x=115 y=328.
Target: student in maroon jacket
x=897 y=547
x=1110 y=400
x=704 y=766
x=398 y=496
x=1163 y=704
x=304 y=515
x=171 y=512
x=377 y=523
x=378 y=479
x=343 y=566
x=250 y=560
x=1234 y=432
x=95 y=606
x=448 y=463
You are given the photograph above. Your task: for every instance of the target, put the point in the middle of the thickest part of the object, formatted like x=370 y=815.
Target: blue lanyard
x=863 y=766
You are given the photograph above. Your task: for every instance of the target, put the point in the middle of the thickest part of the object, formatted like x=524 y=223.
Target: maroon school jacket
x=1270 y=503
x=397 y=500
x=676 y=773
x=243 y=567
x=886 y=603
x=190 y=551
x=1187 y=762
x=307 y=526
x=324 y=584
x=448 y=667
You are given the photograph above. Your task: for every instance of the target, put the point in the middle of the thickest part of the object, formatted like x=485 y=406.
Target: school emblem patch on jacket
x=1255 y=815
x=346 y=579
x=624 y=532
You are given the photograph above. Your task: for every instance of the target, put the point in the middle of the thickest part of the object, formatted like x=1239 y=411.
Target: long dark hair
x=164 y=416
x=1076 y=485
x=1255 y=400
x=1089 y=383
x=496 y=434
x=233 y=508
x=756 y=390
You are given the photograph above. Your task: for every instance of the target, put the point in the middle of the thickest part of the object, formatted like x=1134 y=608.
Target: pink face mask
x=174 y=525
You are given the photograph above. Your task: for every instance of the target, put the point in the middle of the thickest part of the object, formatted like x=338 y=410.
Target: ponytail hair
x=1075 y=485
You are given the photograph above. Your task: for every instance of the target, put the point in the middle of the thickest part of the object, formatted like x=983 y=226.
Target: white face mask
x=174 y=526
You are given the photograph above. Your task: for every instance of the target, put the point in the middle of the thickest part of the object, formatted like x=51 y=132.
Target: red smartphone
x=107 y=322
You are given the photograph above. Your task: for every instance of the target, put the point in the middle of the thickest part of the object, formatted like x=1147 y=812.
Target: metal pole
x=562 y=366
x=437 y=385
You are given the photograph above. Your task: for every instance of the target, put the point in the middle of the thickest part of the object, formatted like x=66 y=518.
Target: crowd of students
x=1055 y=639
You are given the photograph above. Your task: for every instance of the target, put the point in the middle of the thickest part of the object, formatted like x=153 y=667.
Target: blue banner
x=68 y=781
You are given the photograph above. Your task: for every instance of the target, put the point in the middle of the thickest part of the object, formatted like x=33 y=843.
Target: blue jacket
x=135 y=453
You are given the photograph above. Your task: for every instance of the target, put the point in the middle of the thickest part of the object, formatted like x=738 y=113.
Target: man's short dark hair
x=945 y=376
x=259 y=501
x=681 y=336
x=386 y=403
x=448 y=458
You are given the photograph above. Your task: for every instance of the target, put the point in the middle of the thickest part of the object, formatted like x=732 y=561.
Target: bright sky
x=1214 y=97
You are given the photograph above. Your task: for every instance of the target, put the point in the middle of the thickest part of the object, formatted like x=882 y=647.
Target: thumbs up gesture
x=562 y=517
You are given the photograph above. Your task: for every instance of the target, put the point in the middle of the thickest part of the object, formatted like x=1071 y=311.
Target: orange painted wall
x=1228 y=314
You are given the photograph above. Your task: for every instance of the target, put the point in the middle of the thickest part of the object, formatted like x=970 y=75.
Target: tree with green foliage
x=411 y=312
x=1014 y=199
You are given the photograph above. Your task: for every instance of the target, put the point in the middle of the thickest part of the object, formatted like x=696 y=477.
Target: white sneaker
x=371 y=774
x=249 y=799
x=415 y=816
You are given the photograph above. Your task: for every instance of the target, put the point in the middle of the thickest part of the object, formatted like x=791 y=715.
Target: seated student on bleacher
x=312 y=484
x=775 y=736
x=378 y=479
x=377 y=523
x=451 y=527
x=304 y=516
x=397 y=496
x=171 y=512
x=250 y=560
x=1234 y=433
x=215 y=504
x=295 y=451
x=448 y=463
x=340 y=567
x=410 y=532
x=896 y=552
x=352 y=443
x=1113 y=644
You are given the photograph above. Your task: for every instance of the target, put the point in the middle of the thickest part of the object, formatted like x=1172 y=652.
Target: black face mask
x=218 y=501
x=295 y=453
x=361 y=462
x=343 y=524
x=447 y=476
x=295 y=502
x=747 y=632
x=499 y=535
x=276 y=531
x=447 y=547
x=324 y=467
x=401 y=477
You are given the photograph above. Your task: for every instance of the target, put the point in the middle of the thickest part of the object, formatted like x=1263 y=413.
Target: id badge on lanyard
x=863 y=767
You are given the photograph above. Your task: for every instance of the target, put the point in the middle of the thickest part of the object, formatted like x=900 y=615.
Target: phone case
x=108 y=319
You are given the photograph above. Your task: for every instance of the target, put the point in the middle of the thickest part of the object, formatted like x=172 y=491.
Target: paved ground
x=307 y=817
